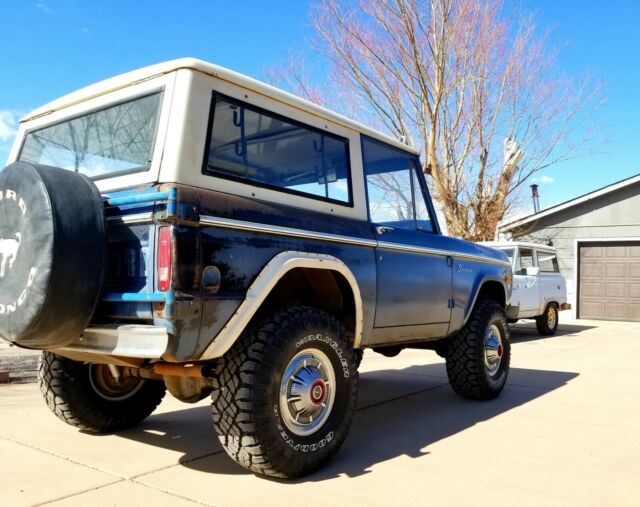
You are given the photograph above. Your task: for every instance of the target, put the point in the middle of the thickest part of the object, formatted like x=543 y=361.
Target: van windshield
x=115 y=139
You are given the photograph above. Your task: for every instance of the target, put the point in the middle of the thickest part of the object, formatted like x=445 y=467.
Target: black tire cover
x=52 y=254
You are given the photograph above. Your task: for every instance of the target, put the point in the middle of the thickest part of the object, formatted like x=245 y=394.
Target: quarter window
x=250 y=144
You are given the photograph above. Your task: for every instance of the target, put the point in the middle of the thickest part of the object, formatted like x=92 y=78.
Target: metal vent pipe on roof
x=536 y=198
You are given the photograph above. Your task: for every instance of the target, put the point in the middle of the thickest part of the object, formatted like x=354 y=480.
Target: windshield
x=113 y=140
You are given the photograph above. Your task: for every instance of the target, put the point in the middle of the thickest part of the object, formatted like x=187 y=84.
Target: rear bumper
x=130 y=340
x=565 y=306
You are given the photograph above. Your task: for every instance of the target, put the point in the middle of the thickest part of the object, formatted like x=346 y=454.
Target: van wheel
x=478 y=356
x=286 y=394
x=89 y=397
x=547 y=323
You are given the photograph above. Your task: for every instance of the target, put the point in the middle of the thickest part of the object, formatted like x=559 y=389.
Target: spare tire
x=52 y=254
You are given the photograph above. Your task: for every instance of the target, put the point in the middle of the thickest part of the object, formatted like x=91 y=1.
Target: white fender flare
x=262 y=286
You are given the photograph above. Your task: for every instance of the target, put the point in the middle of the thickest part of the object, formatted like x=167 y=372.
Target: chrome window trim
x=138 y=218
x=230 y=223
x=441 y=253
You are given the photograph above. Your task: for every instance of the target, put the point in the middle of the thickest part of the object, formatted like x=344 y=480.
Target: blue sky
x=51 y=47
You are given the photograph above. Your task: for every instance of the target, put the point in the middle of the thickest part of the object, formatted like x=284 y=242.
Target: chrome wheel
x=307 y=391
x=552 y=317
x=110 y=388
x=493 y=349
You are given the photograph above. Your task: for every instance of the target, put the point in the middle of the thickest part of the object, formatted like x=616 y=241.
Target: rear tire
x=478 y=356
x=547 y=323
x=286 y=394
x=88 y=397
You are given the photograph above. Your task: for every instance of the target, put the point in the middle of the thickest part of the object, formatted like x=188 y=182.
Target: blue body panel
x=415 y=286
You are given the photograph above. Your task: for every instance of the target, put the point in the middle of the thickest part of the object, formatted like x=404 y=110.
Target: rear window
x=115 y=139
x=548 y=262
x=249 y=144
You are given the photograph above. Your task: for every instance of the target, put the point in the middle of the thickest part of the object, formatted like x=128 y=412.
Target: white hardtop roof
x=513 y=244
x=517 y=222
x=152 y=71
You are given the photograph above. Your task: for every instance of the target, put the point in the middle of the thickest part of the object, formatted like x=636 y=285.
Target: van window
x=249 y=144
x=548 y=262
x=525 y=260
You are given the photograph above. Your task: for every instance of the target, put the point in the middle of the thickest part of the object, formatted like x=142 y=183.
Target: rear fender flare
x=273 y=271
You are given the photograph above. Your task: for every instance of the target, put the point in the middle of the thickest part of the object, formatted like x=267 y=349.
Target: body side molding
x=273 y=271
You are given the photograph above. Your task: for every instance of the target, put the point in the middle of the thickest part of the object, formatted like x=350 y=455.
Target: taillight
x=164 y=259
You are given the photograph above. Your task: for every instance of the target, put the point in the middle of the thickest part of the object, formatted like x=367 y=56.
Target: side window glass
x=423 y=218
x=525 y=261
x=260 y=147
x=548 y=262
x=389 y=185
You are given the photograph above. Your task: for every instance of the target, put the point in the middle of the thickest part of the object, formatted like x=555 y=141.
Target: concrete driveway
x=566 y=431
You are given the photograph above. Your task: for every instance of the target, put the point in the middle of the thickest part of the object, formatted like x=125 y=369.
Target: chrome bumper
x=127 y=340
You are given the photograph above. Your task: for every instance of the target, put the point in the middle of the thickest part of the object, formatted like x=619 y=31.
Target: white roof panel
x=145 y=73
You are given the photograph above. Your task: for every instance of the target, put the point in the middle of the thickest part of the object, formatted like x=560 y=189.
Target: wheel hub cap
x=307 y=392
x=551 y=318
x=493 y=349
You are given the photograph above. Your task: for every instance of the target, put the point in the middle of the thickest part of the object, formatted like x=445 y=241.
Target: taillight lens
x=164 y=259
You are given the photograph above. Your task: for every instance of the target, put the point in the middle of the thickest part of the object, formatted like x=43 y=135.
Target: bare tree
x=456 y=78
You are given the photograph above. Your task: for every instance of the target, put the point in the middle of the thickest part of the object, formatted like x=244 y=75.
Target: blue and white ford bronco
x=186 y=228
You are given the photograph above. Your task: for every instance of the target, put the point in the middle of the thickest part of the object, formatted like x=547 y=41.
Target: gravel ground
x=21 y=365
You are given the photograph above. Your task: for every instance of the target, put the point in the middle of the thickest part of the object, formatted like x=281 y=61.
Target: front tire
x=547 y=323
x=286 y=394
x=88 y=397
x=478 y=356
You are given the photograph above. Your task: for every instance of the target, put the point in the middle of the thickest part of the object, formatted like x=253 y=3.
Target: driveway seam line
x=70 y=460
x=71 y=495
x=176 y=495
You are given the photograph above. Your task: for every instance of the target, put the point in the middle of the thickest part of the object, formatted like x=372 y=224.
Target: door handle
x=381 y=229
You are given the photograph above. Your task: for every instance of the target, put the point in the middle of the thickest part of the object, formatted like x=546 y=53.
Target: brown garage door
x=609 y=281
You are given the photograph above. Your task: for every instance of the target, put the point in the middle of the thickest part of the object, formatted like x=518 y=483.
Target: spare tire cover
x=52 y=254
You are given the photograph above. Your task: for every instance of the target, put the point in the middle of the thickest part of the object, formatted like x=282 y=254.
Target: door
x=609 y=281
x=526 y=289
x=413 y=284
x=553 y=286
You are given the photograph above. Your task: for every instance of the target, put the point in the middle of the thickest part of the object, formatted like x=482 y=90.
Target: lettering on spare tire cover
x=11 y=250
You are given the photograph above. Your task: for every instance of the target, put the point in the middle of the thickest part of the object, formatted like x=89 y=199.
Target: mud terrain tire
x=478 y=356
x=77 y=393
x=297 y=362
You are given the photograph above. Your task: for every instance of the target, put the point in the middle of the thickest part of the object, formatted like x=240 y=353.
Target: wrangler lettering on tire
x=286 y=393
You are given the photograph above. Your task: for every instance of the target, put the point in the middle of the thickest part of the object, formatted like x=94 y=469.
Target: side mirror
x=533 y=271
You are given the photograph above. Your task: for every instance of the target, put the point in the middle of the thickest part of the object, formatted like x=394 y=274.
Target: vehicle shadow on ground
x=527 y=331
x=400 y=413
